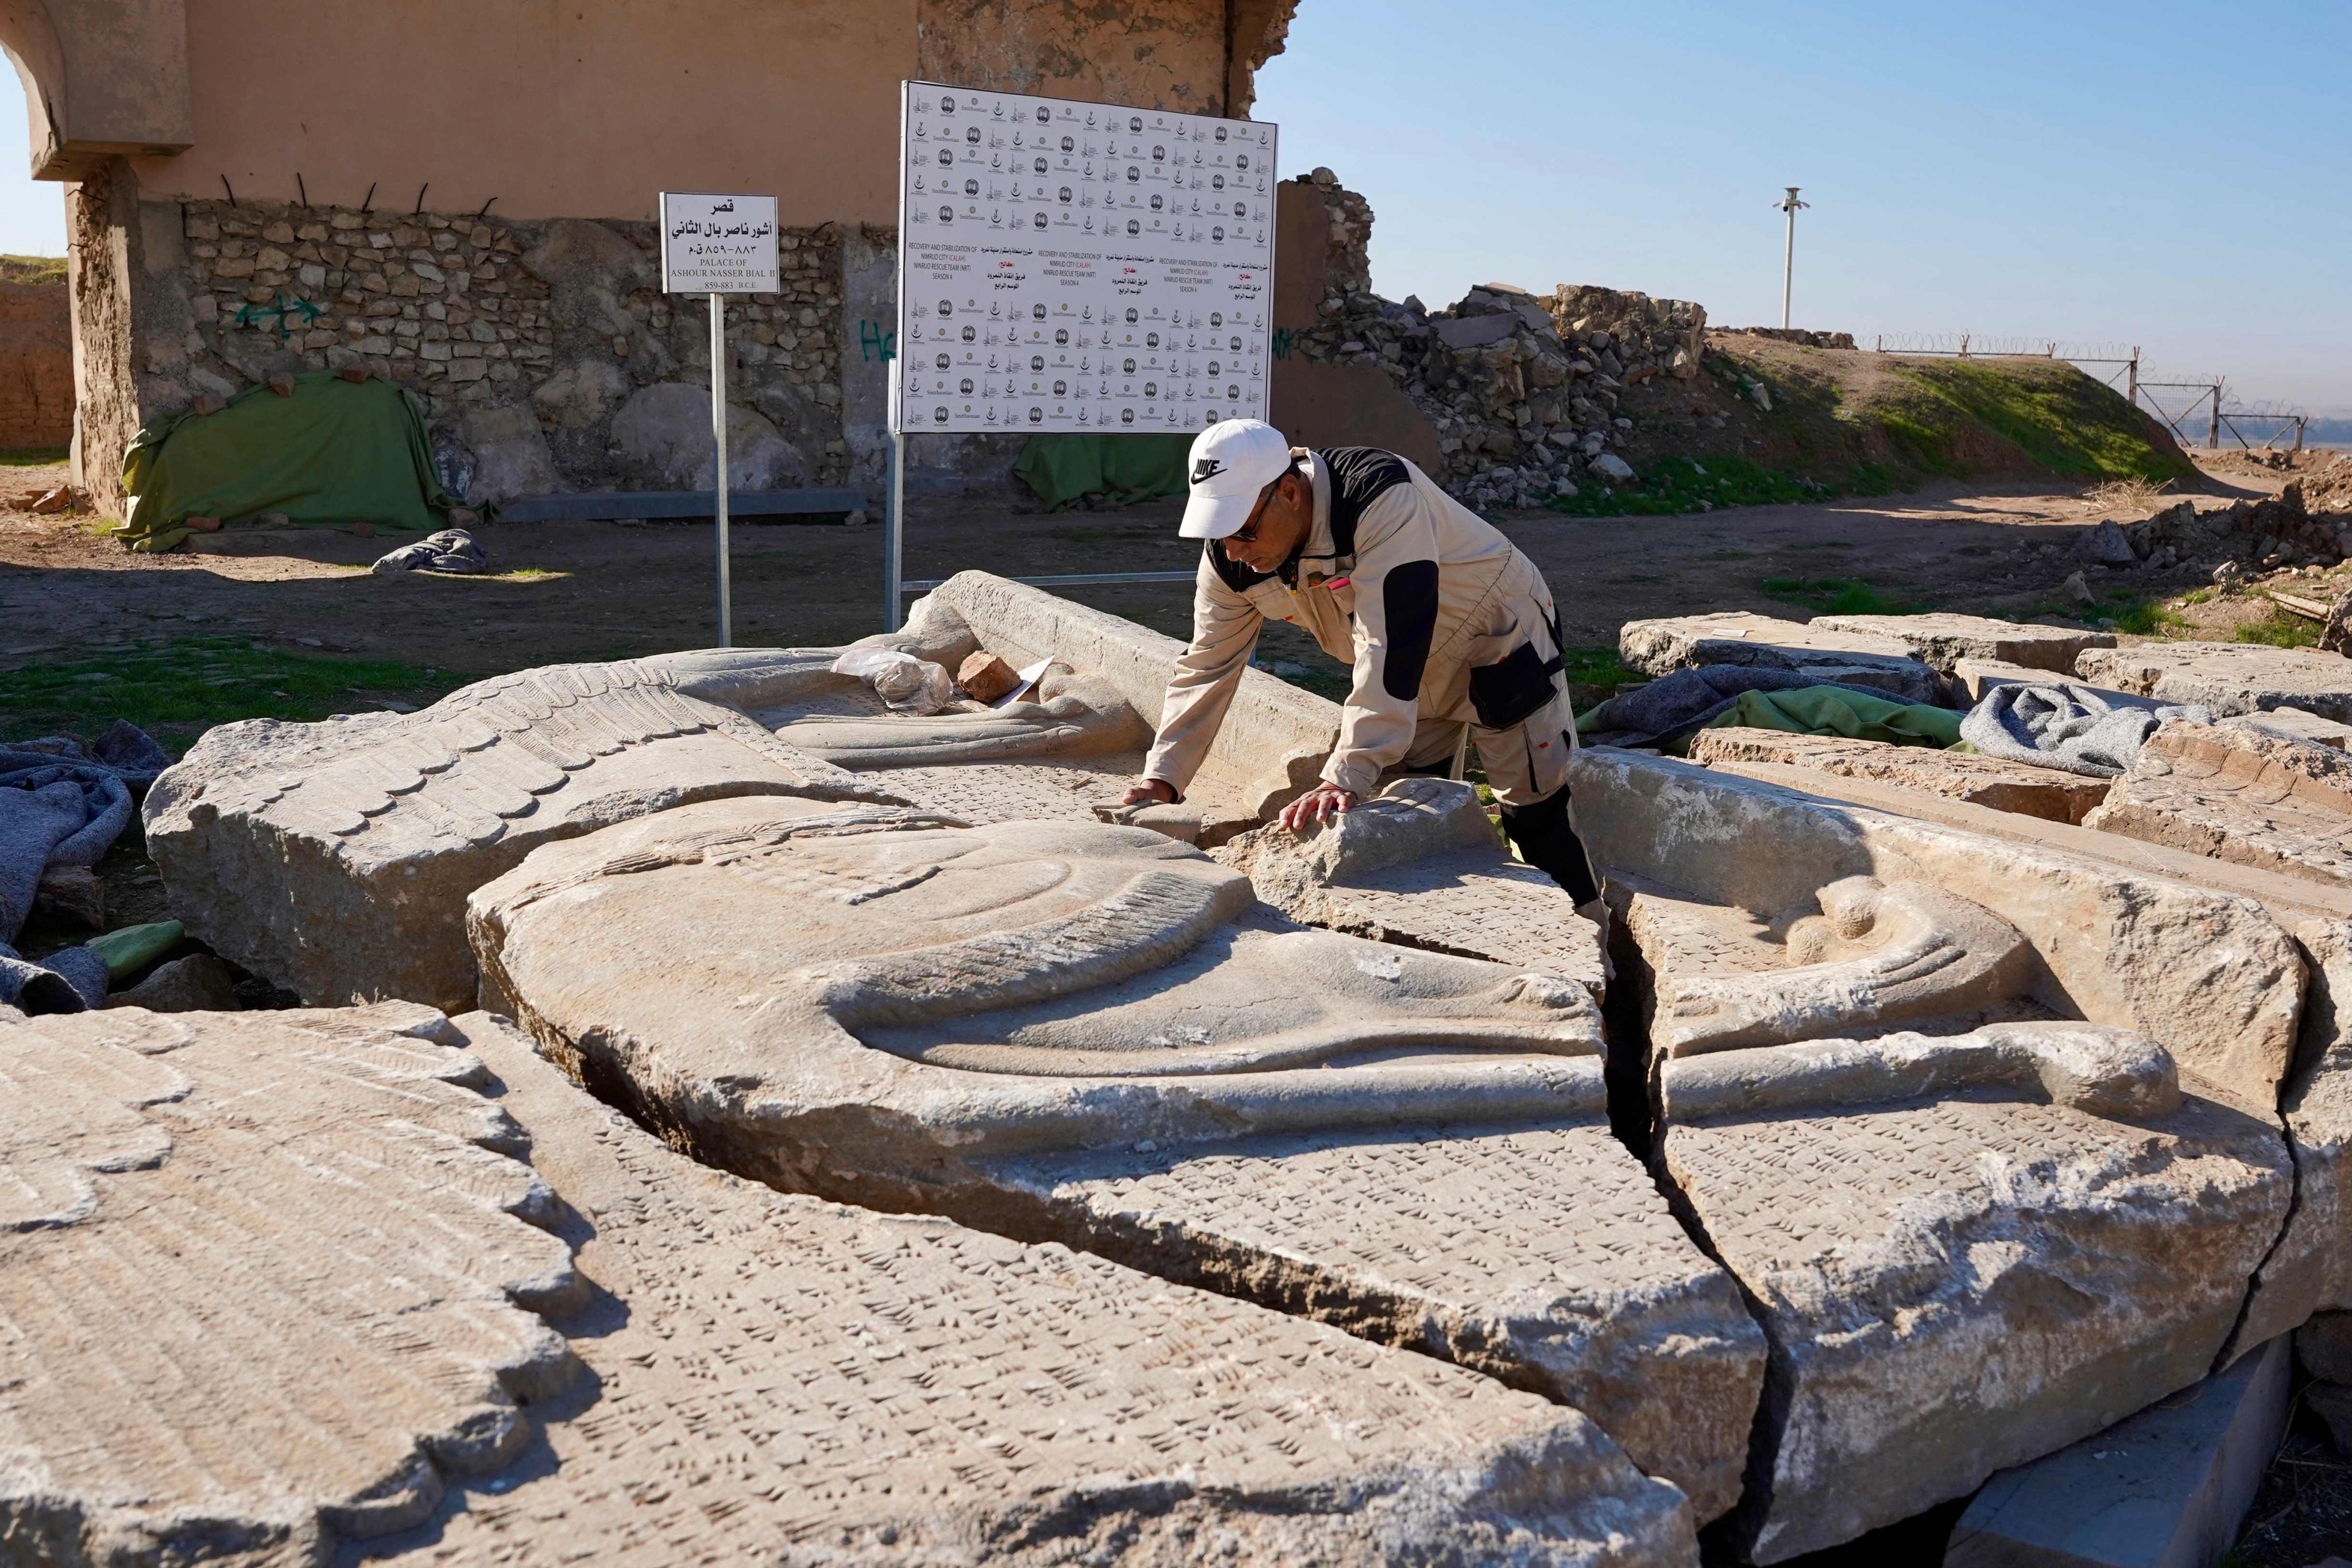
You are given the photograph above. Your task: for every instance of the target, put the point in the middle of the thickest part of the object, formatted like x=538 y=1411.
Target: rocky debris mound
x=1522 y=387
x=2273 y=531
x=1797 y=335
x=2327 y=491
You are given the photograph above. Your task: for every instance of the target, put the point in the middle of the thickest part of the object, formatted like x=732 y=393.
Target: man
x=1445 y=624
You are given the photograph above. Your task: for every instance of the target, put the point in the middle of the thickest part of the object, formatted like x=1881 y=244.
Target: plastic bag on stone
x=909 y=685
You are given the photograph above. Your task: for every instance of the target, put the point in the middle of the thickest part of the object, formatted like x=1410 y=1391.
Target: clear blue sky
x=2157 y=173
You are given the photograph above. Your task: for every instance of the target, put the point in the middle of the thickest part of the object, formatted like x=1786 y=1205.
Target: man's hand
x=1318 y=805
x=1149 y=792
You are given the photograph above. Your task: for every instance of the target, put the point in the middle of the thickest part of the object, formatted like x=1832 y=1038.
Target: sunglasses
x=1247 y=533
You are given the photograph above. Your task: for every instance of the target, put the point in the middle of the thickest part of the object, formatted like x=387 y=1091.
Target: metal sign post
x=719 y=245
x=894 y=530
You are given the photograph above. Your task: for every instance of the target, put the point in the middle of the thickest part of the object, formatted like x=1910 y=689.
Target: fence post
x=2131 y=378
x=1964 y=345
x=2213 y=426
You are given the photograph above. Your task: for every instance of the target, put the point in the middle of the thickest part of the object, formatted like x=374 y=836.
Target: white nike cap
x=1232 y=460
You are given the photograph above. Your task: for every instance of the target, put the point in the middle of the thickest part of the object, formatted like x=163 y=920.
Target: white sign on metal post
x=1068 y=265
x=719 y=245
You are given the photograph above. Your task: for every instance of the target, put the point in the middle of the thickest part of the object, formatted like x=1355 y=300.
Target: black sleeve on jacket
x=1409 y=597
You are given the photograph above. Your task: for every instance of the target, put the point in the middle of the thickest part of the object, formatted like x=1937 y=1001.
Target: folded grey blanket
x=63 y=803
x=2079 y=729
x=1670 y=707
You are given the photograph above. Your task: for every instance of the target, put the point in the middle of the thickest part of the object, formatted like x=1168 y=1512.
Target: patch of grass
x=176 y=691
x=32 y=269
x=528 y=574
x=2061 y=419
x=33 y=457
x=1594 y=674
x=1676 y=485
x=2141 y=616
x=1834 y=596
x=2281 y=630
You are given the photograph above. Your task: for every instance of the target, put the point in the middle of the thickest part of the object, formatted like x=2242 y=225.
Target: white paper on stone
x=1066 y=266
x=718 y=244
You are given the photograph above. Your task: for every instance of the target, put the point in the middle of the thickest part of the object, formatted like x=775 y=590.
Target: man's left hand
x=1318 y=805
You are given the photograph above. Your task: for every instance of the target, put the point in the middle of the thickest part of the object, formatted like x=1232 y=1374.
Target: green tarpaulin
x=1062 y=468
x=335 y=452
x=1834 y=710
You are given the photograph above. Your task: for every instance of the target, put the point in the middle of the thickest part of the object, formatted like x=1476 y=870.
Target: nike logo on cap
x=1206 y=469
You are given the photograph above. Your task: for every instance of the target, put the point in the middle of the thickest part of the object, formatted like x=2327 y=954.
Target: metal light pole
x=1788 y=204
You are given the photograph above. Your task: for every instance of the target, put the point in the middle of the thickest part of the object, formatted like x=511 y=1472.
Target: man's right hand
x=1149 y=792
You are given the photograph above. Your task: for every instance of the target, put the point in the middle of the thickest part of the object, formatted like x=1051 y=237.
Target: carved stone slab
x=264 y=1279
x=2311 y=1270
x=1081 y=1032
x=1956 y=1283
x=1736 y=637
x=2240 y=794
x=2212 y=977
x=2226 y=677
x=2051 y=793
x=335 y=858
x=1419 y=865
x=1943 y=638
x=777 y=1376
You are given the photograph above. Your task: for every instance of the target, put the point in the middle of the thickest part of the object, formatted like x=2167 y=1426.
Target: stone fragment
x=1067 y=715
x=1877 y=955
x=1419 y=865
x=1091 y=1033
x=2212 y=977
x=1943 y=639
x=782 y=1369
x=2169 y=1485
x=72 y=893
x=2296 y=725
x=1938 y=1313
x=282 y=384
x=2051 y=793
x=2103 y=544
x=201 y=525
x=334 y=859
x=2226 y=677
x=2075 y=589
x=1852 y=658
x=1974 y=677
x=984 y=678
x=2238 y=793
x=197 y=983
x=268 y=1279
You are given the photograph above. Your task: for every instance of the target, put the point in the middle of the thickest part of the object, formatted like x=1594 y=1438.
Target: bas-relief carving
x=1095 y=1033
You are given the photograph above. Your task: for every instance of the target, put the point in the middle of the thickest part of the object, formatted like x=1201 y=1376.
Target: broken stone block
x=1066 y=715
x=197 y=983
x=2103 y=544
x=984 y=678
x=2226 y=677
x=201 y=525
x=2296 y=725
x=1932 y=1320
x=1095 y=1034
x=1943 y=640
x=1877 y=955
x=1850 y=658
x=1419 y=864
x=282 y=384
x=334 y=859
x=2170 y=1485
x=2211 y=976
x=2238 y=793
x=2324 y=1345
x=893 y=1378
x=209 y=1210
x=1974 y=677
x=2050 y=793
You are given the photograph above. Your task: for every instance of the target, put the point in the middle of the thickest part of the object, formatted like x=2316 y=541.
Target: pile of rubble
x=1523 y=389
x=2272 y=532
x=1797 y=335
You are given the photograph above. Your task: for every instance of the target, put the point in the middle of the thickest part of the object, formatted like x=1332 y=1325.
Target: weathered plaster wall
x=37 y=390
x=101 y=77
x=1159 y=56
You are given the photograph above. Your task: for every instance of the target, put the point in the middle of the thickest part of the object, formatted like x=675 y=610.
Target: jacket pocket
x=1504 y=693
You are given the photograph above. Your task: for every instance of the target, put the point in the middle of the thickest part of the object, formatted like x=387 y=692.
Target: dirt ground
x=598 y=591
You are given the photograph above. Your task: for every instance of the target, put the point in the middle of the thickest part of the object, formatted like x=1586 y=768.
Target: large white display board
x=1080 y=267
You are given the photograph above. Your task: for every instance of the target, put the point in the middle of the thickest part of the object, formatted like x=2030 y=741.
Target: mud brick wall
x=37 y=375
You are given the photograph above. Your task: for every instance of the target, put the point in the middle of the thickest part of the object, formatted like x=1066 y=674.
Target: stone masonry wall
x=1522 y=387
x=37 y=390
x=543 y=355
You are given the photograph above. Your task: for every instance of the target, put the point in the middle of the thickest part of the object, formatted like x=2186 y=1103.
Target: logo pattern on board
x=1069 y=265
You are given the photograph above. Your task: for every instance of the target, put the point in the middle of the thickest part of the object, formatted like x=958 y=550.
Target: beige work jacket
x=1439 y=615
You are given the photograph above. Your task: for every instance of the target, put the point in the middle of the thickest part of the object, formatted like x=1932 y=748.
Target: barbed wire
x=1991 y=344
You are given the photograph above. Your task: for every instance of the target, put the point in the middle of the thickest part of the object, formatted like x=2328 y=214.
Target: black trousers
x=1546 y=839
